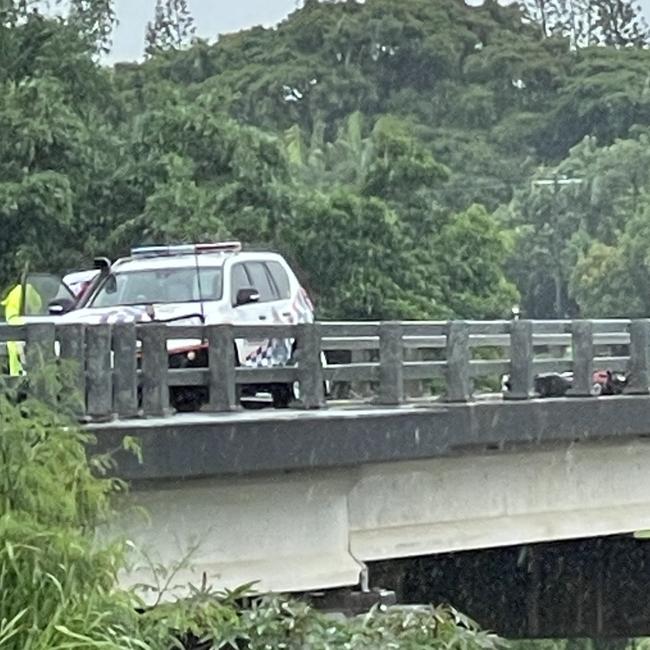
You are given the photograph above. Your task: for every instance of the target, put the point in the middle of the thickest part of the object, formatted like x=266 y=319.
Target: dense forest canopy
x=415 y=159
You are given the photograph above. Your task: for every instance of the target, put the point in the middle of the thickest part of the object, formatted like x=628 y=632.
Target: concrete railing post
x=391 y=364
x=582 y=340
x=125 y=370
x=521 y=360
x=72 y=351
x=221 y=361
x=155 y=366
x=99 y=382
x=39 y=352
x=310 y=369
x=458 y=375
x=637 y=383
x=39 y=343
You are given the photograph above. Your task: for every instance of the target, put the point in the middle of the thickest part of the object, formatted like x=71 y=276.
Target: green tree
x=544 y=254
x=172 y=28
x=473 y=249
x=605 y=96
x=401 y=168
x=43 y=140
x=557 y=225
x=589 y=22
x=619 y=23
x=426 y=108
x=95 y=21
x=354 y=253
x=201 y=174
x=611 y=281
x=602 y=286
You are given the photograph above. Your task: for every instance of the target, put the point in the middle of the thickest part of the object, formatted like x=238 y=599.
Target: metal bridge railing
x=123 y=370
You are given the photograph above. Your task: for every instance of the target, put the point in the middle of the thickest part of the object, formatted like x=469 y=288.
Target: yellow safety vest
x=14 y=301
x=12 y=305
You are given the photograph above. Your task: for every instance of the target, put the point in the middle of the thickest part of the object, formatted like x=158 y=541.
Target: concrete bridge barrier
x=123 y=371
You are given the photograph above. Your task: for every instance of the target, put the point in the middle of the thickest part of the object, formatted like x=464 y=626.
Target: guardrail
x=123 y=369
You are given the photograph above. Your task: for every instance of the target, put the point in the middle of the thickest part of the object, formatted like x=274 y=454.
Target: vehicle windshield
x=159 y=286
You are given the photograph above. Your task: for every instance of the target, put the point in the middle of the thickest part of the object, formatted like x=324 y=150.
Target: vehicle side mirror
x=60 y=306
x=102 y=264
x=247 y=296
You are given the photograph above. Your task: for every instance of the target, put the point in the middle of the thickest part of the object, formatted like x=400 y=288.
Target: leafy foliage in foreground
x=279 y=623
x=58 y=573
x=56 y=585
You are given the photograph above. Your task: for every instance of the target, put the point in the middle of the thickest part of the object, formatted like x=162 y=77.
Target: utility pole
x=557 y=182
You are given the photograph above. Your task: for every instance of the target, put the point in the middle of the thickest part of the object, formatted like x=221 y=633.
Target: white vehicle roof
x=203 y=260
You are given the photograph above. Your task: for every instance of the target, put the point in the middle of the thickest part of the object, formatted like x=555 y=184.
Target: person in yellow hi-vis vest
x=13 y=305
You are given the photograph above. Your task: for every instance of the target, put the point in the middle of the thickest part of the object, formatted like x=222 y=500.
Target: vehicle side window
x=280 y=278
x=238 y=280
x=261 y=281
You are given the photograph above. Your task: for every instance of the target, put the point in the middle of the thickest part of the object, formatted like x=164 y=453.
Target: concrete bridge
x=321 y=496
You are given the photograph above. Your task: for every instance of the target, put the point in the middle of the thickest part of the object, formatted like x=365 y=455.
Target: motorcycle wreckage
x=558 y=384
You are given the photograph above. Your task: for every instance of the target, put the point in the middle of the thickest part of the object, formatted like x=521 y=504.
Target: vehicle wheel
x=283 y=395
x=187 y=399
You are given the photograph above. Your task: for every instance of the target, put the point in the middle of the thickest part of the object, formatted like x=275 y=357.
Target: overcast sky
x=212 y=17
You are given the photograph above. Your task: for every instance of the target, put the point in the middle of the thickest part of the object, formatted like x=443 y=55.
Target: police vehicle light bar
x=225 y=246
x=186 y=249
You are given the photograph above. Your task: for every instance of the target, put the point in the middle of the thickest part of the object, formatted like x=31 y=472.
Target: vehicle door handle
x=262 y=317
x=286 y=314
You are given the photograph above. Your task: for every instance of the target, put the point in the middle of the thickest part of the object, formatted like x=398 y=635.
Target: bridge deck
x=199 y=444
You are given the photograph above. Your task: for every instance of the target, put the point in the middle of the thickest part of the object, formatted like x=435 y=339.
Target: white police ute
x=192 y=284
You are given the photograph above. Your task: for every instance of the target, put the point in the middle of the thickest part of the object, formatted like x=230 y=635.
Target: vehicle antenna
x=198 y=282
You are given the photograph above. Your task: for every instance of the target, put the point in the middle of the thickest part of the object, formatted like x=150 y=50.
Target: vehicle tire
x=187 y=399
x=283 y=395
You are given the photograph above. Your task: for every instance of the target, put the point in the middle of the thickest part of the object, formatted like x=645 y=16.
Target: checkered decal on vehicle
x=125 y=315
x=276 y=352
